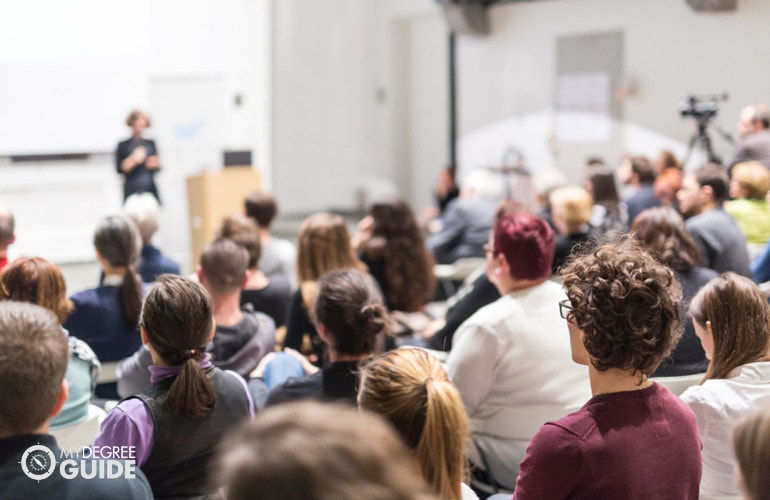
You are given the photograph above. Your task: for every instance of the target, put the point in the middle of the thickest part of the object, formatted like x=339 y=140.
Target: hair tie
x=187 y=353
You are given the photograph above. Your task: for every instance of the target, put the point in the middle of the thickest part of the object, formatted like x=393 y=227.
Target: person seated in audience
x=751 y=445
x=669 y=177
x=37 y=281
x=144 y=210
x=633 y=438
x=467 y=220
x=749 y=185
x=731 y=319
x=754 y=129
x=7 y=234
x=107 y=317
x=411 y=389
x=175 y=426
x=312 y=451
x=350 y=317
x=607 y=213
x=545 y=182
x=662 y=232
x=33 y=361
x=392 y=246
x=720 y=240
x=278 y=257
x=267 y=294
x=640 y=176
x=509 y=361
x=324 y=245
x=571 y=209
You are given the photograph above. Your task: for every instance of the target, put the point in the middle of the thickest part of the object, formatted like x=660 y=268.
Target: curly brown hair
x=627 y=304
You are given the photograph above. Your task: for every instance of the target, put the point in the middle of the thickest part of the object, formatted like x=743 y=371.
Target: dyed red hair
x=526 y=241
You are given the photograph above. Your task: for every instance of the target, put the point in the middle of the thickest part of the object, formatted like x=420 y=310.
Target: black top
x=141 y=179
x=563 y=246
x=272 y=300
x=298 y=325
x=336 y=382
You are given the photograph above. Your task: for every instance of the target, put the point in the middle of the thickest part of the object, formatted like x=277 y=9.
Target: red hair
x=526 y=241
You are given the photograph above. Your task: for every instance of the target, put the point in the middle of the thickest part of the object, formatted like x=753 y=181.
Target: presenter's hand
x=139 y=155
x=153 y=163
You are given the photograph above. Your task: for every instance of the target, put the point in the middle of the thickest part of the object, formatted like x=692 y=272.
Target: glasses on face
x=565 y=307
x=488 y=249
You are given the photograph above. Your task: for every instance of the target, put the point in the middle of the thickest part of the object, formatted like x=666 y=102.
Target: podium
x=212 y=196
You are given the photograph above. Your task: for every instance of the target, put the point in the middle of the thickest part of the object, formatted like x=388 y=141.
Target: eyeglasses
x=565 y=307
x=488 y=249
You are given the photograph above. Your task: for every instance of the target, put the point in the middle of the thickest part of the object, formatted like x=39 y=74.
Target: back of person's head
x=411 y=389
x=572 y=206
x=667 y=159
x=737 y=312
x=642 y=167
x=751 y=444
x=224 y=264
x=7 y=227
x=663 y=232
x=349 y=307
x=261 y=207
x=144 y=210
x=37 y=281
x=627 y=303
x=118 y=242
x=244 y=232
x=527 y=243
x=760 y=114
x=752 y=179
x=714 y=177
x=314 y=451
x=33 y=361
x=177 y=320
x=324 y=245
x=482 y=183
x=603 y=187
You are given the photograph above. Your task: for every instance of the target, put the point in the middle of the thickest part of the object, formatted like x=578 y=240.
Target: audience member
x=7 y=234
x=751 y=444
x=749 y=186
x=350 y=317
x=467 y=219
x=392 y=246
x=37 y=281
x=175 y=426
x=267 y=294
x=324 y=245
x=731 y=319
x=662 y=231
x=509 y=360
x=607 y=213
x=669 y=177
x=411 y=389
x=720 y=240
x=310 y=451
x=754 y=129
x=633 y=438
x=107 y=317
x=137 y=158
x=33 y=361
x=641 y=179
x=545 y=182
x=144 y=210
x=278 y=256
x=571 y=209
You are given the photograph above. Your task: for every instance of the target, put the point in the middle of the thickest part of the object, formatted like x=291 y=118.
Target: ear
x=199 y=274
x=502 y=268
x=61 y=398
x=244 y=280
x=143 y=333
x=708 y=191
x=708 y=328
x=323 y=332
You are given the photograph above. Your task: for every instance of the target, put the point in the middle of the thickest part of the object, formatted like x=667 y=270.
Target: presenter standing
x=137 y=158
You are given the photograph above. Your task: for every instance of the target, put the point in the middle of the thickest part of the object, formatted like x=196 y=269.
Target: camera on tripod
x=702 y=108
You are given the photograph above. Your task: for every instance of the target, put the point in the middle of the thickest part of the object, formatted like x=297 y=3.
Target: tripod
x=702 y=139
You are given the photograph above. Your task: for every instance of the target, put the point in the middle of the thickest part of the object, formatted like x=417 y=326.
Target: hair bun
x=372 y=319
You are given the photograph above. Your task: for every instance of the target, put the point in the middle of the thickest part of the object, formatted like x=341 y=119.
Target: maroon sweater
x=631 y=445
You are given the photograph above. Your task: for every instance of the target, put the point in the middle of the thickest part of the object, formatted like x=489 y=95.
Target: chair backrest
x=76 y=436
x=677 y=385
x=107 y=373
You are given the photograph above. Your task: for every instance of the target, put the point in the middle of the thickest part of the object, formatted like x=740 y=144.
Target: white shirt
x=717 y=405
x=512 y=364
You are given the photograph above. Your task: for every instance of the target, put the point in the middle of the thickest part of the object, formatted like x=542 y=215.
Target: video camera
x=702 y=108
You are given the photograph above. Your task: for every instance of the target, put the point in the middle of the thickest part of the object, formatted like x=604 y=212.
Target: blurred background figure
x=751 y=445
x=144 y=210
x=7 y=234
x=749 y=185
x=278 y=257
x=137 y=158
x=571 y=209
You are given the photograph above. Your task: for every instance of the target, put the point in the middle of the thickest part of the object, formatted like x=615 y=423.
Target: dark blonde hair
x=177 y=318
x=751 y=444
x=37 y=281
x=135 y=115
x=411 y=389
x=314 y=451
x=753 y=179
x=627 y=304
x=738 y=312
x=324 y=245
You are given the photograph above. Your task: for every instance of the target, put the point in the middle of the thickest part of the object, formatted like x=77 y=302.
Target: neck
x=615 y=380
x=335 y=357
x=509 y=284
x=264 y=235
x=110 y=270
x=256 y=280
x=227 y=309
x=708 y=206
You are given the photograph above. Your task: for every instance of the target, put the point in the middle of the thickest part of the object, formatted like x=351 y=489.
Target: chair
x=677 y=385
x=77 y=436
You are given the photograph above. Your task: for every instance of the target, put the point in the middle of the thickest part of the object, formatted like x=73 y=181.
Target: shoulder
x=296 y=388
x=129 y=488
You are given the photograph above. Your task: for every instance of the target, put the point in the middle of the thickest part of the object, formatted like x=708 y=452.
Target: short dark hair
x=642 y=167
x=714 y=177
x=349 y=306
x=627 y=304
x=224 y=264
x=261 y=207
x=527 y=243
x=7 y=224
x=344 y=455
x=244 y=232
x=33 y=361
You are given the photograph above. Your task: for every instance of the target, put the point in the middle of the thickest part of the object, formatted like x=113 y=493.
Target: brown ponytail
x=177 y=316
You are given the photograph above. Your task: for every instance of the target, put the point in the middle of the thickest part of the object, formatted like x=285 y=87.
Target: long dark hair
x=117 y=241
x=177 y=318
x=663 y=232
